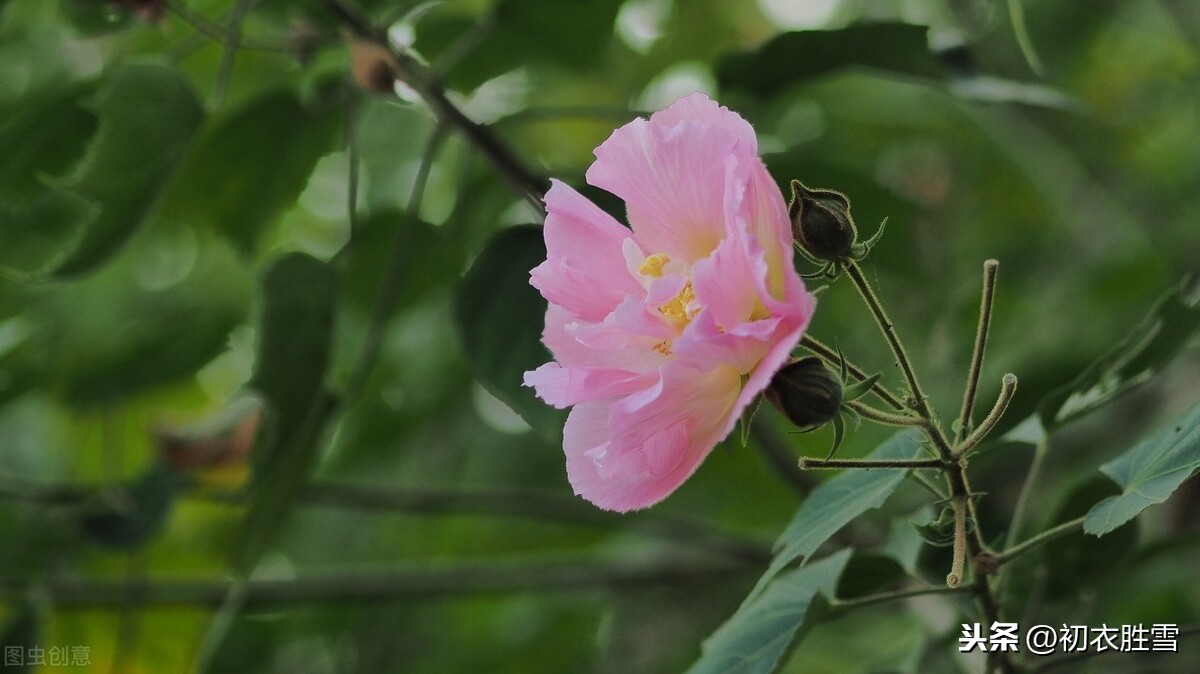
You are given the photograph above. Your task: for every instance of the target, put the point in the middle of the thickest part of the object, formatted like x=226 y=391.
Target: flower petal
x=585 y=268
x=633 y=452
x=671 y=171
x=566 y=386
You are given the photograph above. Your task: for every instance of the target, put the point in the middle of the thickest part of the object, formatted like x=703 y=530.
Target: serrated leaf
x=836 y=502
x=1152 y=344
x=148 y=115
x=758 y=635
x=500 y=318
x=1075 y=562
x=251 y=165
x=1149 y=472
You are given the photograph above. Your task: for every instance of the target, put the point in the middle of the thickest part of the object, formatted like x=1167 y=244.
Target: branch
x=981 y=335
x=1045 y=537
x=385 y=586
x=417 y=76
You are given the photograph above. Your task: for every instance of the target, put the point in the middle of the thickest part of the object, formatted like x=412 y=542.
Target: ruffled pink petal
x=575 y=343
x=728 y=283
x=633 y=452
x=566 y=386
x=704 y=343
x=671 y=171
x=585 y=269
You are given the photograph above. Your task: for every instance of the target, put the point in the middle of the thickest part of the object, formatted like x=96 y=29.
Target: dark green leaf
x=148 y=115
x=129 y=518
x=835 y=503
x=868 y=573
x=792 y=58
x=500 y=318
x=1148 y=473
x=21 y=630
x=755 y=638
x=429 y=259
x=1162 y=334
x=295 y=339
x=250 y=166
x=1076 y=561
x=96 y=17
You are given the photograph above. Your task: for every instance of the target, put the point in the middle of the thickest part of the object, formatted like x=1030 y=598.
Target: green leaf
x=148 y=115
x=1074 y=562
x=431 y=260
x=22 y=629
x=868 y=573
x=1148 y=473
x=1152 y=344
x=791 y=58
x=247 y=168
x=500 y=318
x=758 y=635
x=940 y=532
x=900 y=49
x=836 y=502
x=295 y=339
x=131 y=517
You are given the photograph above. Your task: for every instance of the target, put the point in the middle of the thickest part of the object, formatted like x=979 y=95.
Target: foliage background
x=177 y=228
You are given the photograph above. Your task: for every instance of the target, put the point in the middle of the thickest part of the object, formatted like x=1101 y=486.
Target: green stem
x=832 y=357
x=957 y=566
x=1008 y=387
x=981 y=335
x=1045 y=537
x=884 y=597
x=886 y=418
x=808 y=463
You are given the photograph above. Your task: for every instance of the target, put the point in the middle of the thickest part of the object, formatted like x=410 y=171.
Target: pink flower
x=664 y=334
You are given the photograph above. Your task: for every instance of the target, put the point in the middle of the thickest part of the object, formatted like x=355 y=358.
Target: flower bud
x=821 y=222
x=806 y=392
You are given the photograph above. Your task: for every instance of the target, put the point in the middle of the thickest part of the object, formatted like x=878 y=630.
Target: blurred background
x=236 y=340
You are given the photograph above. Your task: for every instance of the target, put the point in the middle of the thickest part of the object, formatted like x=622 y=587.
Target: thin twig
x=389 y=586
x=1046 y=536
x=886 y=418
x=393 y=275
x=217 y=33
x=233 y=38
x=532 y=188
x=981 y=336
x=884 y=597
x=1008 y=388
x=809 y=463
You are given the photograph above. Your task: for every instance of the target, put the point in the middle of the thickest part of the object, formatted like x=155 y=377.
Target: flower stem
x=884 y=597
x=1008 y=387
x=809 y=463
x=1045 y=537
x=981 y=335
x=832 y=357
x=955 y=577
x=886 y=418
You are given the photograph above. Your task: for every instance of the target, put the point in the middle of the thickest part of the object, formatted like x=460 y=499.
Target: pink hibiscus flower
x=663 y=335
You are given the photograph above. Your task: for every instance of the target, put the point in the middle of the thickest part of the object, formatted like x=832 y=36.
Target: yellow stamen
x=653 y=266
x=663 y=347
x=681 y=308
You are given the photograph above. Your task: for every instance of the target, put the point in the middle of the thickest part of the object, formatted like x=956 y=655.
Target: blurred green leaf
x=129 y=518
x=1152 y=344
x=1148 y=473
x=574 y=35
x=500 y=318
x=23 y=627
x=295 y=339
x=251 y=165
x=836 y=502
x=430 y=260
x=755 y=638
x=95 y=17
x=792 y=58
x=148 y=115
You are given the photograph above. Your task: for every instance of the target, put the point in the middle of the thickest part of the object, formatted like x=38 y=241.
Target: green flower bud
x=821 y=222
x=806 y=392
